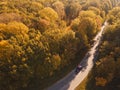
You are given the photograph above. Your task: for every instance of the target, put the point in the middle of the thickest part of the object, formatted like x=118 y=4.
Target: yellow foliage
x=90 y=14
x=95 y=10
x=98 y=63
x=14 y=66
x=5 y=49
x=25 y=65
x=9 y=17
x=56 y=61
x=2 y=26
x=75 y=23
x=48 y=14
x=16 y=28
x=100 y=81
x=3 y=43
x=89 y=25
x=23 y=59
x=36 y=5
x=44 y=24
x=59 y=8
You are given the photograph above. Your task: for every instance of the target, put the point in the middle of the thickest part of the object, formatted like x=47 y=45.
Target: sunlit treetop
x=48 y=14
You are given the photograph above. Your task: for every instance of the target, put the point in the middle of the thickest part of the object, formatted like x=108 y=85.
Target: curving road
x=71 y=81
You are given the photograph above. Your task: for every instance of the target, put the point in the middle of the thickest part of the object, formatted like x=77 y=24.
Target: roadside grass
x=82 y=86
x=87 y=83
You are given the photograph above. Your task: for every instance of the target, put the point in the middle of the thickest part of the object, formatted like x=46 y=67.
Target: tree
x=15 y=28
x=89 y=26
x=59 y=8
x=48 y=19
x=95 y=10
x=100 y=81
x=14 y=69
x=33 y=7
x=10 y=17
x=90 y=14
x=48 y=14
x=72 y=11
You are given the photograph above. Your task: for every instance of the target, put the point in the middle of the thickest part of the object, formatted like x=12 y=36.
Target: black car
x=78 y=69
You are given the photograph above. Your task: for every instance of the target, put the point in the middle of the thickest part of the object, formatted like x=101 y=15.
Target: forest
x=41 y=39
x=106 y=73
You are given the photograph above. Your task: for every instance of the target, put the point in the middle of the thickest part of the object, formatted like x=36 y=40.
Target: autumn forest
x=43 y=40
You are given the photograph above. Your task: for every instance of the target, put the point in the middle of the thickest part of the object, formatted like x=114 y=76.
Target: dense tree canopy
x=41 y=38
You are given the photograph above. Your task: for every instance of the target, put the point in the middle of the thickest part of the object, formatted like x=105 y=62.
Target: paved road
x=71 y=81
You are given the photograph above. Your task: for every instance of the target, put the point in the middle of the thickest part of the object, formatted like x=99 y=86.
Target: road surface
x=71 y=81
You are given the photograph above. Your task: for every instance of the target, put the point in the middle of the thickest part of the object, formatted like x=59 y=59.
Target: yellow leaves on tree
x=2 y=26
x=14 y=69
x=75 y=23
x=35 y=6
x=114 y=15
x=14 y=28
x=9 y=17
x=90 y=14
x=90 y=21
x=3 y=43
x=44 y=24
x=56 y=61
x=59 y=8
x=89 y=26
x=47 y=18
x=95 y=10
x=100 y=81
x=48 y=14
x=5 y=49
